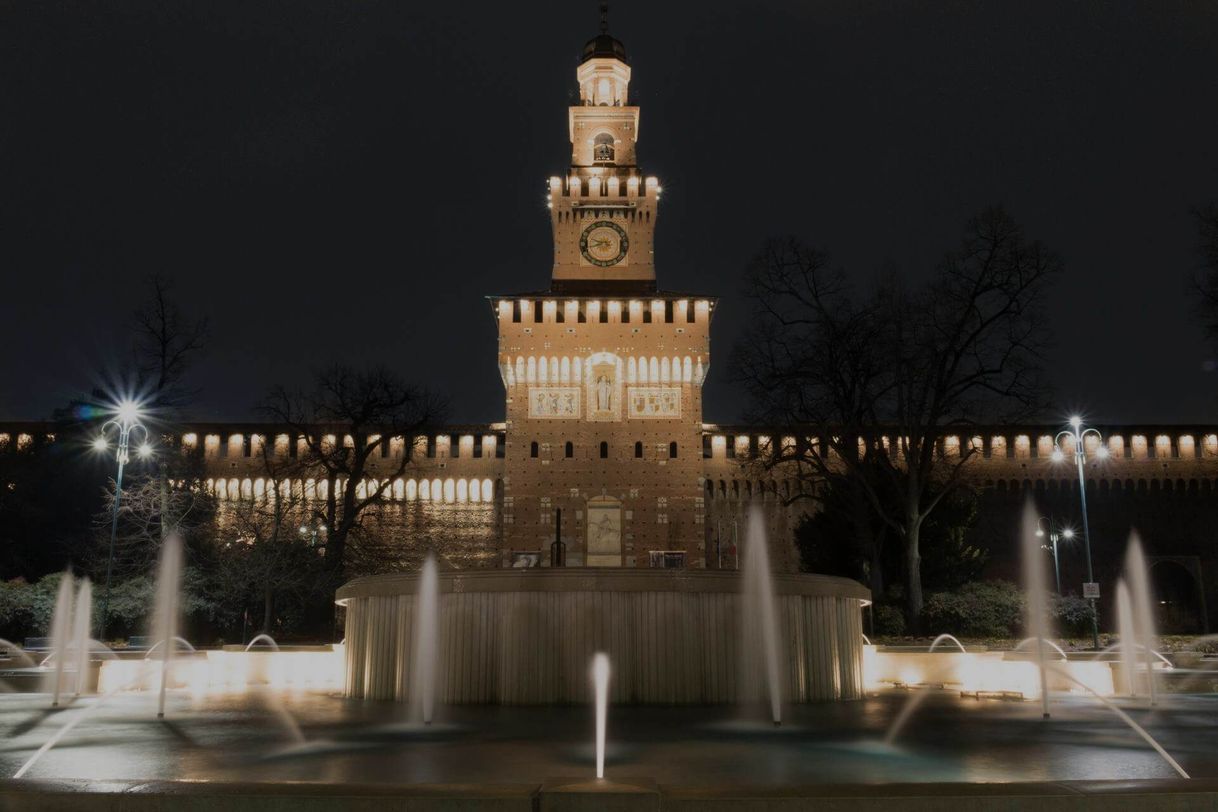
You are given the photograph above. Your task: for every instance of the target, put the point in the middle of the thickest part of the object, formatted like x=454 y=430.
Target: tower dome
x=604 y=46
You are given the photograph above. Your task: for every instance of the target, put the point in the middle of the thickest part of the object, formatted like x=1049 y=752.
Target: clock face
x=604 y=243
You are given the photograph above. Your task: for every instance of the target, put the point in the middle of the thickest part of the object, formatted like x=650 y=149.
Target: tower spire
x=604 y=18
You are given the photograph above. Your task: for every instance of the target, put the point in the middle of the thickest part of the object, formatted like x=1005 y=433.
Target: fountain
x=526 y=635
x=61 y=631
x=600 y=689
x=81 y=639
x=15 y=651
x=911 y=705
x=425 y=654
x=277 y=705
x=1127 y=637
x=1036 y=596
x=165 y=615
x=945 y=638
x=759 y=621
x=1138 y=575
x=1124 y=717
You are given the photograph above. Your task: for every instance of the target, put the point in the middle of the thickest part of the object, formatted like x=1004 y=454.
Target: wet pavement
x=246 y=738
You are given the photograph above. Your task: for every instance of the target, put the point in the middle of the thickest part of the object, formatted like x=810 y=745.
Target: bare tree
x=173 y=500
x=878 y=382
x=362 y=410
x=814 y=356
x=263 y=554
x=1206 y=279
x=165 y=344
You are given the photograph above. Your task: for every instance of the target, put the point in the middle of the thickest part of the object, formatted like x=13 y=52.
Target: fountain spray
x=600 y=687
x=1128 y=637
x=1144 y=621
x=165 y=617
x=80 y=633
x=61 y=632
x=760 y=615
x=426 y=640
x=1036 y=595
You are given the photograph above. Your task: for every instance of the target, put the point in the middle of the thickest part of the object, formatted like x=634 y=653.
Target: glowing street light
x=1079 y=434
x=1055 y=533
x=310 y=532
x=126 y=420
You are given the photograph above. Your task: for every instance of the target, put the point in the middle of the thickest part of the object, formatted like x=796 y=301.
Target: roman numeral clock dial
x=604 y=243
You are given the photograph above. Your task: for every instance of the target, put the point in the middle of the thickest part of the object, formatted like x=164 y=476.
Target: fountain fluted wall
x=527 y=636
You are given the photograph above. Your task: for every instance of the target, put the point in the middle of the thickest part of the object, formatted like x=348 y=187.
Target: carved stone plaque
x=654 y=402
x=554 y=402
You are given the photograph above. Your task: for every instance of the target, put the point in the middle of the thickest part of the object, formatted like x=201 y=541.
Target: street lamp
x=1046 y=527
x=309 y=532
x=1079 y=434
x=126 y=420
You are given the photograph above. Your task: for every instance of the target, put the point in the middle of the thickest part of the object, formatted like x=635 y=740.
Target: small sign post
x=1091 y=590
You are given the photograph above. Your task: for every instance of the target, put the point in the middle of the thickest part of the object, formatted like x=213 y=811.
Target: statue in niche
x=604 y=394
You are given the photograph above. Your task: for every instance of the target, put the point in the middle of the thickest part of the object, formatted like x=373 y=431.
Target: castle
x=603 y=447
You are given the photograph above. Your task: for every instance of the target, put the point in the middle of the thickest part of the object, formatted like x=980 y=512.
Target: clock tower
x=603 y=372
x=603 y=211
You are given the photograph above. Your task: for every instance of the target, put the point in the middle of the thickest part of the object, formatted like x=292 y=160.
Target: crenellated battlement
x=1139 y=451
x=550 y=309
x=609 y=184
x=739 y=460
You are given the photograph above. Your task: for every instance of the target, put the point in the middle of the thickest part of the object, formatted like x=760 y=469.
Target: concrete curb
x=573 y=795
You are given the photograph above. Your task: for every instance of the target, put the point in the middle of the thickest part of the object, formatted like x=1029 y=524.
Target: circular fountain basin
x=673 y=636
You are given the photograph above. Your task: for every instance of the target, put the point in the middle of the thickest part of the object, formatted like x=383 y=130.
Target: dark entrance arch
x=1179 y=593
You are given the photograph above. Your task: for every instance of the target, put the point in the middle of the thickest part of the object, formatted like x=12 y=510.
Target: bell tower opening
x=602 y=149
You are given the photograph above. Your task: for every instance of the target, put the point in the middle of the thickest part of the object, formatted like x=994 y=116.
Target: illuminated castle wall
x=602 y=374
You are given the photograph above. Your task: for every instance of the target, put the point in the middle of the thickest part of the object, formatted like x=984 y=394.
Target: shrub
x=887 y=620
x=26 y=609
x=15 y=614
x=978 y=609
x=1071 y=615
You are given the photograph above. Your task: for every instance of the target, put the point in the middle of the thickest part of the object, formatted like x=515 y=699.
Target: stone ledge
x=1159 y=795
x=600 y=795
x=612 y=795
x=198 y=796
x=596 y=579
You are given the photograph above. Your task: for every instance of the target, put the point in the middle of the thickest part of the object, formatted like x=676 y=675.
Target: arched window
x=533 y=449
x=569 y=449
x=604 y=450
x=672 y=450
x=602 y=148
x=638 y=449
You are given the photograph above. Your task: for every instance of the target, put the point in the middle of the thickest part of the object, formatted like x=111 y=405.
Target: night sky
x=348 y=180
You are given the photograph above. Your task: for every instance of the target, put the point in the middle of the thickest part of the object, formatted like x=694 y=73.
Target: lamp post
x=1078 y=434
x=125 y=421
x=310 y=532
x=1047 y=527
